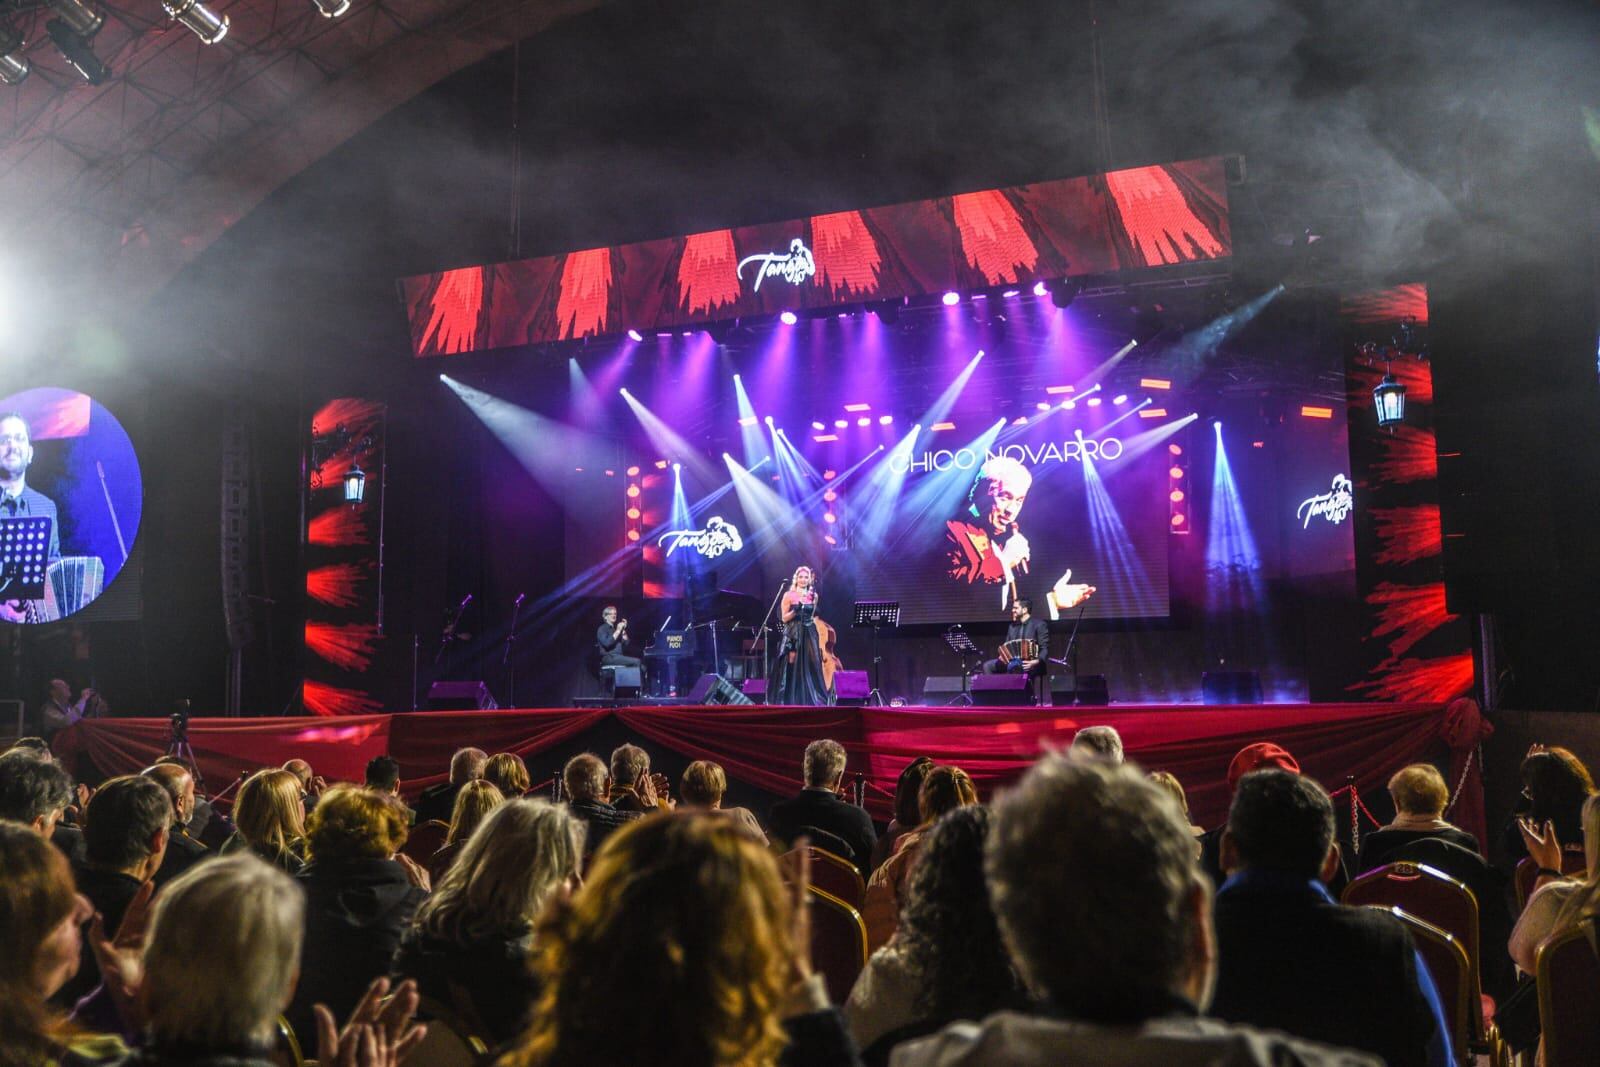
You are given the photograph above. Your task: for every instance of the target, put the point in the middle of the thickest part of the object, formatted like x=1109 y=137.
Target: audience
x=468 y=946
x=270 y=815
x=1420 y=797
x=311 y=784
x=1097 y=742
x=206 y=825
x=946 y=961
x=438 y=801
x=1253 y=757
x=906 y=814
x=633 y=787
x=1108 y=919
x=1169 y=781
x=1558 y=903
x=507 y=773
x=1359 y=982
x=943 y=790
x=183 y=851
x=680 y=948
x=361 y=895
x=819 y=813
x=383 y=774
x=702 y=788
x=33 y=790
x=476 y=800
x=1555 y=785
x=587 y=784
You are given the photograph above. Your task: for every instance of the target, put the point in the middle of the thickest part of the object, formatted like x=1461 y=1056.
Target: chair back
x=828 y=841
x=450 y=1041
x=1426 y=893
x=1451 y=970
x=426 y=839
x=286 y=1050
x=1568 y=971
x=838 y=942
x=1572 y=862
x=832 y=873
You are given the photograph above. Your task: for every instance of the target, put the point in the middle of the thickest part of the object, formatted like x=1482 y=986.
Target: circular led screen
x=70 y=503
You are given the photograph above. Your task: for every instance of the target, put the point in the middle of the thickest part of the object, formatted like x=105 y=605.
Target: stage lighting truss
x=78 y=51
x=1178 y=513
x=204 y=23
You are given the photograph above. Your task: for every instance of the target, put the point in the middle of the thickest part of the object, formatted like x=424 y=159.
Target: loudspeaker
x=1085 y=689
x=755 y=688
x=851 y=688
x=461 y=696
x=715 y=689
x=942 y=685
x=1230 y=687
x=1001 y=690
x=621 y=682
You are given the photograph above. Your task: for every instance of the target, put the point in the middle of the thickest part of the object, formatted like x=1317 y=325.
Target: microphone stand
x=506 y=659
x=766 y=642
x=1069 y=658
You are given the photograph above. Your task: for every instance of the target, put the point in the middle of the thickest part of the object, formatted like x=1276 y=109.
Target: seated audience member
x=476 y=800
x=183 y=851
x=383 y=774
x=701 y=789
x=685 y=921
x=438 y=801
x=1169 y=781
x=1249 y=758
x=125 y=834
x=944 y=790
x=468 y=947
x=270 y=814
x=361 y=895
x=1108 y=920
x=206 y=825
x=1559 y=901
x=946 y=961
x=34 y=790
x=1420 y=797
x=587 y=784
x=906 y=815
x=311 y=784
x=41 y=921
x=819 y=807
x=35 y=744
x=1359 y=982
x=507 y=773
x=219 y=964
x=1555 y=785
x=633 y=787
x=1097 y=742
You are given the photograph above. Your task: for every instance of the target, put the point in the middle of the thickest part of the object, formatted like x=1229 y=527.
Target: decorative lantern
x=1389 y=400
x=355 y=484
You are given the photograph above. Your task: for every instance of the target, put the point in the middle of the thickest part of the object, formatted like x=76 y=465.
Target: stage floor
x=761 y=746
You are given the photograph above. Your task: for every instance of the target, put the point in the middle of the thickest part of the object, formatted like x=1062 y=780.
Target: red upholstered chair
x=838 y=942
x=1568 y=972
x=832 y=873
x=1451 y=970
x=1572 y=862
x=426 y=839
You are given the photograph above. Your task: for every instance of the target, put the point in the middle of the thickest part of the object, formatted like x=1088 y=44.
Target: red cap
x=1256 y=757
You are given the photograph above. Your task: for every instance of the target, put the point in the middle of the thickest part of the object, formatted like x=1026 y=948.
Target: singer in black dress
x=799 y=678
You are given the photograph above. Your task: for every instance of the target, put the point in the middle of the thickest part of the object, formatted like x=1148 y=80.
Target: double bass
x=827 y=640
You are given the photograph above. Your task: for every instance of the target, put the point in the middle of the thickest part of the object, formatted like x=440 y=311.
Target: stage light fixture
x=815 y=425
x=1176 y=450
x=13 y=66
x=1120 y=399
x=749 y=420
x=1094 y=401
x=1176 y=496
x=951 y=299
x=829 y=517
x=78 y=52
x=839 y=424
x=829 y=475
x=633 y=491
x=355 y=484
x=1070 y=405
x=830 y=539
x=1177 y=520
x=768 y=420
x=677 y=468
x=788 y=318
x=853 y=408
x=633 y=535
x=1175 y=471
x=1155 y=383
x=885 y=420
x=1063 y=292
x=825 y=437
x=830 y=495
x=1009 y=293
x=940 y=427
x=331 y=9
x=1389 y=400
x=635 y=335
x=1153 y=413
x=1043 y=405
x=80 y=19
x=661 y=464
x=865 y=420
x=201 y=20
x=1040 y=289
x=633 y=472
x=633 y=513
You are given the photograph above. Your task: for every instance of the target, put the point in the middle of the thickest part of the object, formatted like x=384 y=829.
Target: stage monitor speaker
x=942 y=686
x=1092 y=690
x=851 y=688
x=754 y=688
x=621 y=683
x=1002 y=690
x=461 y=696
x=715 y=689
x=1230 y=687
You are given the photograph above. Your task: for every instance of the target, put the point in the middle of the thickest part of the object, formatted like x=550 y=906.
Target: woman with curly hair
x=1555 y=785
x=683 y=947
x=473 y=804
x=947 y=960
x=944 y=789
x=269 y=819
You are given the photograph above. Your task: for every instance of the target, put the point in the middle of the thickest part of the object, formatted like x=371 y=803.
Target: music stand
x=24 y=557
x=876 y=614
x=960 y=643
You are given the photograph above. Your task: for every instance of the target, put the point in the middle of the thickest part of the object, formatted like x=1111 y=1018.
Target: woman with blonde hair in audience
x=269 y=820
x=1169 y=781
x=703 y=785
x=945 y=789
x=41 y=920
x=473 y=804
x=507 y=773
x=468 y=947
x=683 y=947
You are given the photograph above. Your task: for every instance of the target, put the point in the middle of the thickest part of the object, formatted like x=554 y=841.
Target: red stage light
x=633 y=535
x=1176 y=496
x=1312 y=412
x=1177 y=520
x=1155 y=383
x=829 y=476
x=1176 y=472
x=633 y=513
x=1153 y=413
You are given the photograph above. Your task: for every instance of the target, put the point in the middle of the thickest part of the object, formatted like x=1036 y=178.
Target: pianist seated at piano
x=1027 y=643
x=611 y=640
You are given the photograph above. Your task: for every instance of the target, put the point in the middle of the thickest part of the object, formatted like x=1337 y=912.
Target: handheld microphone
x=464 y=602
x=520 y=598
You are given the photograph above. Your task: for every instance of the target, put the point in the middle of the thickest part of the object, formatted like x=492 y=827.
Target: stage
x=760 y=747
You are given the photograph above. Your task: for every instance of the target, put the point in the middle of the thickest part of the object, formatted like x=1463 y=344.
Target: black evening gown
x=800 y=682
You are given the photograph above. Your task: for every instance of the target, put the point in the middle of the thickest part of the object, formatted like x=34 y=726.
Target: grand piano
x=714 y=643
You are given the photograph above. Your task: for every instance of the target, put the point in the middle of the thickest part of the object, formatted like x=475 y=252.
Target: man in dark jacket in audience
x=183 y=851
x=820 y=808
x=587 y=784
x=438 y=802
x=1293 y=958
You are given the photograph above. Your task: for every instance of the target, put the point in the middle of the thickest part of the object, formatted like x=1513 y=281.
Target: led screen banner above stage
x=1128 y=219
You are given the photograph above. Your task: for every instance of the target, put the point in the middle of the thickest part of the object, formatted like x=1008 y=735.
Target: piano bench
x=619 y=681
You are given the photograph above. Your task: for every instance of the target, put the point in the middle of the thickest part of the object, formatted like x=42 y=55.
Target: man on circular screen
x=985 y=544
x=17 y=501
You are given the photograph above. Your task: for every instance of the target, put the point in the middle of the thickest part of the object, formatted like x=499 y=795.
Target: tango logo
x=1335 y=505
x=793 y=268
x=718 y=537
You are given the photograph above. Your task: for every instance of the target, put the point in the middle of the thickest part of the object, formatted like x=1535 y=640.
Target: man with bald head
x=183 y=851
